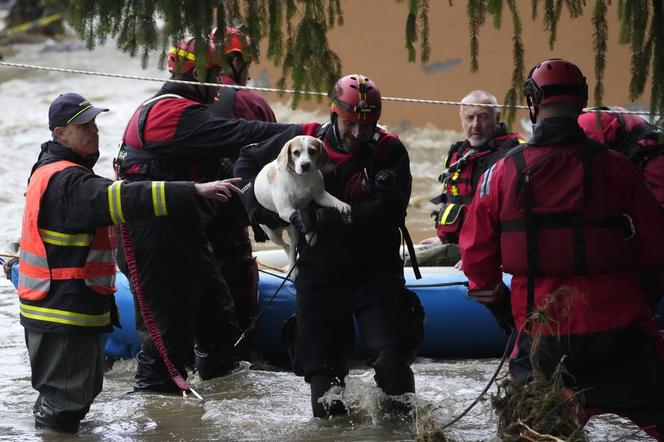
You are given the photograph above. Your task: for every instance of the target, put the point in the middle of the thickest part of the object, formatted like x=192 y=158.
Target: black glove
x=317 y=219
x=257 y=213
x=304 y=220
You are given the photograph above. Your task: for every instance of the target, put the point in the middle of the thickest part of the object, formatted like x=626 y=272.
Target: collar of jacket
x=183 y=90
x=557 y=131
x=52 y=151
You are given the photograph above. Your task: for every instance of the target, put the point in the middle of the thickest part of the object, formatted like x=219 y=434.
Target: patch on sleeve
x=486 y=182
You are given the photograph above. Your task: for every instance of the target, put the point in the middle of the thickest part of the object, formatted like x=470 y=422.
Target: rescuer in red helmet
x=355 y=268
x=574 y=224
x=174 y=136
x=229 y=233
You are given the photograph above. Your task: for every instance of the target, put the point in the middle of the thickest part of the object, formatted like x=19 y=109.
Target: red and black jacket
x=463 y=167
x=372 y=240
x=173 y=136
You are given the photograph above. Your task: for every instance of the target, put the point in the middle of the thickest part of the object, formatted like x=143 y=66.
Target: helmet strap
x=533 y=109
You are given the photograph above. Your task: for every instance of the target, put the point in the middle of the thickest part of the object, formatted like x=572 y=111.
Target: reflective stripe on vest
x=65 y=317
x=35 y=271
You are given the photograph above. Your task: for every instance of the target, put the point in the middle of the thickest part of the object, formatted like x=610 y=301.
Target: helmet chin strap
x=532 y=109
x=335 y=129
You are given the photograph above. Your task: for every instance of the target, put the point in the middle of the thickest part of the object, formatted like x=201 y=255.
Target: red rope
x=148 y=318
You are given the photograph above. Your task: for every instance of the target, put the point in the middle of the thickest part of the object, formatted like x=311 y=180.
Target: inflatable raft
x=455 y=325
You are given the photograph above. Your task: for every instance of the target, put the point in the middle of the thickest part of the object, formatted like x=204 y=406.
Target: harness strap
x=225 y=107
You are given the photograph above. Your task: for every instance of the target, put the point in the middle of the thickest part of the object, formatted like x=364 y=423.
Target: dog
x=291 y=182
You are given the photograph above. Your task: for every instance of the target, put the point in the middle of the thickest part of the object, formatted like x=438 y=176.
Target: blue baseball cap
x=71 y=108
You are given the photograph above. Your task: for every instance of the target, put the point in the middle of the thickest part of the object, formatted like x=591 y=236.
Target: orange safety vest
x=35 y=270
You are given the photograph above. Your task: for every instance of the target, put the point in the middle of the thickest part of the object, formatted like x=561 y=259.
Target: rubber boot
x=395 y=378
x=213 y=366
x=322 y=409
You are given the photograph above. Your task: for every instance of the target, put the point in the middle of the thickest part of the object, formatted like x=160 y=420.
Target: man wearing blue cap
x=68 y=247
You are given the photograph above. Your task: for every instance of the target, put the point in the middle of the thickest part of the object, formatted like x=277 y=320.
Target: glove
x=304 y=220
x=317 y=219
x=257 y=213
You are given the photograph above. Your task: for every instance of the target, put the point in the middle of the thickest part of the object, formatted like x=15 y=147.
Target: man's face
x=81 y=138
x=479 y=124
x=354 y=135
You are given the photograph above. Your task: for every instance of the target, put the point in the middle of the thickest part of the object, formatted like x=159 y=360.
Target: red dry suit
x=632 y=136
x=463 y=167
x=576 y=218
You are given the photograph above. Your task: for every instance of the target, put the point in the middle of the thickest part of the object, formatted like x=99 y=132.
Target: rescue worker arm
x=205 y=135
x=480 y=241
x=386 y=205
x=86 y=200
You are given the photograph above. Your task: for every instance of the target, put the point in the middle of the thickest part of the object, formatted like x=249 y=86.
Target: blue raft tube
x=455 y=325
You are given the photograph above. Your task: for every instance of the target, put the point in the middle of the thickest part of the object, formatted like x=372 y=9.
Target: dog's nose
x=305 y=166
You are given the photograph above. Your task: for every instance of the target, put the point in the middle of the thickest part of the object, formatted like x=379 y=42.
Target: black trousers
x=325 y=329
x=68 y=373
x=189 y=301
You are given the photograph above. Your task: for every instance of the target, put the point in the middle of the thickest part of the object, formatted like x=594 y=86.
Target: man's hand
x=303 y=220
x=318 y=219
x=219 y=190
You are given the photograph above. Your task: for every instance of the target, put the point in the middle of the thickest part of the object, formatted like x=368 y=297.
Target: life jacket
x=558 y=217
x=80 y=256
x=135 y=162
x=463 y=168
x=353 y=176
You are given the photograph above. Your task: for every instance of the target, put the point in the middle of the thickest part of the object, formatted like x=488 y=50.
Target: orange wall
x=371 y=41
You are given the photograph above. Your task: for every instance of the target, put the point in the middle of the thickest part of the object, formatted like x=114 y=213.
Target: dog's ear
x=322 y=158
x=284 y=157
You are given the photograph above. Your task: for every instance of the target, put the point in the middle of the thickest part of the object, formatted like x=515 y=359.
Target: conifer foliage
x=296 y=31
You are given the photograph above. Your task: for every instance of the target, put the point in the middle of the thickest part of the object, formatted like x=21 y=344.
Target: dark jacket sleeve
x=252 y=159
x=86 y=200
x=201 y=134
x=392 y=186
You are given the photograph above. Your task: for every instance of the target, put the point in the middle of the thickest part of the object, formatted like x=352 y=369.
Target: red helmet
x=182 y=58
x=556 y=80
x=356 y=98
x=237 y=41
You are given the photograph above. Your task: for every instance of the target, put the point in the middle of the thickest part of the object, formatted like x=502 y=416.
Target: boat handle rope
x=278 y=90
x=408 y=286
x=262 y=310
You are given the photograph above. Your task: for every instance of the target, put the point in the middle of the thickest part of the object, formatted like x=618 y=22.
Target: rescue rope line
x=274 y=295
x=275 y=90
x=508 y=349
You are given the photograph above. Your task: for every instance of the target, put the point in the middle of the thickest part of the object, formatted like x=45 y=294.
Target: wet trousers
x=68 y=373
x=619 y=371
x=189 y=301
x=232 y=251
x=324 y=338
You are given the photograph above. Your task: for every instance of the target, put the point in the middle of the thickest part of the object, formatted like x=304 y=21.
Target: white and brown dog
x=292 y=182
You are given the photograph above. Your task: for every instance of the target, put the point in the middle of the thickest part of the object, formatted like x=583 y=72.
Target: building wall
x=371 y=42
